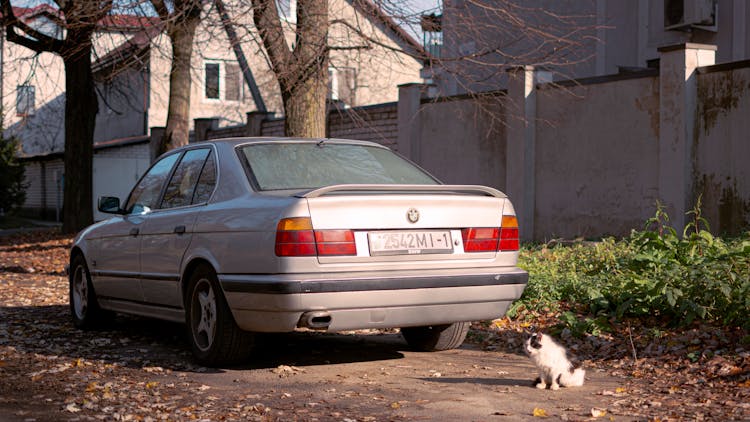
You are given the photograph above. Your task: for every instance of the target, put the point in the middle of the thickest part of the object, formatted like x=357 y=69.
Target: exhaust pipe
x=315 y=320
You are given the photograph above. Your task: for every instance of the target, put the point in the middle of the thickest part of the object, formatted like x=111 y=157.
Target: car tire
x=84 y=307
x=436 y=337
x=214 y=336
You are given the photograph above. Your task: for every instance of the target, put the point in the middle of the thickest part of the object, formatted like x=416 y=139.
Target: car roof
x=266 y=139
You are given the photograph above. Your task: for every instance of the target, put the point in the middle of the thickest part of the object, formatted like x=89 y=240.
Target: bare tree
x=79 y=19
x=302 y=71
x=483 y=39
x=181 y=23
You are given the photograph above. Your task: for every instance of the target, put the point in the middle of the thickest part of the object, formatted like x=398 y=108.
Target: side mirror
x=110 y=205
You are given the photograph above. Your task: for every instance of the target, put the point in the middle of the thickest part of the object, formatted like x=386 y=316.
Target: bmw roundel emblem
x=412 y=215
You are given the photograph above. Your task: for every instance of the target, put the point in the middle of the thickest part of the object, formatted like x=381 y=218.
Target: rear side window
x=182 y=185
x=207 y=181
x=284 y=165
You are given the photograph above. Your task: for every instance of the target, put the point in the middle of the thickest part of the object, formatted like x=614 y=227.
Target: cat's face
x=533 y=344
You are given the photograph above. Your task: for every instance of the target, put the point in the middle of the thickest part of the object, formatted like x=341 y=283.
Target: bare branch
x=350 y=47
x=38 y=41
x=161 y=9
x=268 y=22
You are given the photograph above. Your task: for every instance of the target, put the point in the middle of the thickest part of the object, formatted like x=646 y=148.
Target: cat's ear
x=535 y=341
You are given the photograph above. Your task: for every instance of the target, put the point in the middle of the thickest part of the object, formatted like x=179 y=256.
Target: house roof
x=143 y=28
x=129 y=51
x=114 y=22
x=98 y=146
x=394 y=31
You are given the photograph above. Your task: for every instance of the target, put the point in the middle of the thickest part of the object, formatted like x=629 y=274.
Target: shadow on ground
x=142 y=342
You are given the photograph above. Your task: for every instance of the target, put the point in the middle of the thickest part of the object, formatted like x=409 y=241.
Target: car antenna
x=320 y=143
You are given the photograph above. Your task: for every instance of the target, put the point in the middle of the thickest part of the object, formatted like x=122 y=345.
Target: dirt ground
x=141 y=370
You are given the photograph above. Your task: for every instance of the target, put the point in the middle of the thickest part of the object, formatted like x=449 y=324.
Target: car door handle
x=179 y=229
x=134 y=231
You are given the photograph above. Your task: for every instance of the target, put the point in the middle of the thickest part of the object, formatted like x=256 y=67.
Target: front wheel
x=214 y=336
x=84 y=308
x=436 y=337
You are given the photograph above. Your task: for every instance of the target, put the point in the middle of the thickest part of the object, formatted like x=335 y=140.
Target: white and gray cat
x=555 y=367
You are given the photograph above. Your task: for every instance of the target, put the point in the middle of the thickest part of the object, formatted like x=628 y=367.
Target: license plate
x=409 y=242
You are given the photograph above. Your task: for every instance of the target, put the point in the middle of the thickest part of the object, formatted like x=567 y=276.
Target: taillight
x=509 y=234
x=482 y=239
x=335 y=242
x=295 y=237
x=492 y=239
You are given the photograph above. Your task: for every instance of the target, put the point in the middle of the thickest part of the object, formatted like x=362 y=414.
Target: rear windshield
x=282 y=166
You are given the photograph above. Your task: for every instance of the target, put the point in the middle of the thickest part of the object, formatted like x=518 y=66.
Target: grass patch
x=652 y=273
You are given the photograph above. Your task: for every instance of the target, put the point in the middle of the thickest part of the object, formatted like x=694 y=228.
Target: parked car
x=247 y=235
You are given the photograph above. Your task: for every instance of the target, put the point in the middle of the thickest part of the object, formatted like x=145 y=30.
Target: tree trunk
x=305 y=107
x=81 y=107
x=302 y=73
x=182 y=34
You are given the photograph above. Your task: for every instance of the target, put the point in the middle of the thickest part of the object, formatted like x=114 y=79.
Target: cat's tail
x=574 y=378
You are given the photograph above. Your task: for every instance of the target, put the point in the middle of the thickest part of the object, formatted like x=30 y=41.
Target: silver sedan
x=248 y=235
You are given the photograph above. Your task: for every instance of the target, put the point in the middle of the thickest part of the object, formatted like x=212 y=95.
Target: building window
x=25 y=100
x=342 y=84
x=212 y=81
x=232 y=82
x=228 y=72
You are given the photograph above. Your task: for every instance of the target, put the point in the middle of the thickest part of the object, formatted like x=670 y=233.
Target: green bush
x=653 y=272
x=12 y=190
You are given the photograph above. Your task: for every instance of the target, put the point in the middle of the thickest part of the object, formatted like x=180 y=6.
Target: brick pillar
x=677 y=114
x=255 y=119
x=203 y=126
x=157 y=132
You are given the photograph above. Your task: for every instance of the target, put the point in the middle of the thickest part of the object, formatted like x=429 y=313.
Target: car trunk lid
x=406 y=223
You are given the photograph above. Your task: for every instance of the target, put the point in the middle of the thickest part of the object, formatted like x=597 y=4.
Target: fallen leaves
x=693 y=372
x=286 y=370
x=539 y=413
x=598 y=413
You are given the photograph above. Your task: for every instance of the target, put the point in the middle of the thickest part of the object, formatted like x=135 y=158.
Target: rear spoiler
x=401 y=189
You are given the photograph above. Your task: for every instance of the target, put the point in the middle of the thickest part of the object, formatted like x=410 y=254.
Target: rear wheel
x=436 y=337
x=84 y=307
x=214 y=336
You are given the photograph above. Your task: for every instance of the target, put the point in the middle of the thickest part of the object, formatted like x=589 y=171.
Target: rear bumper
x=275 y=303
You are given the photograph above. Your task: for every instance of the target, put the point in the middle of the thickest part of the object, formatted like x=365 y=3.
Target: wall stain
x=725 y=210
x=718 y=93
x=650 y=104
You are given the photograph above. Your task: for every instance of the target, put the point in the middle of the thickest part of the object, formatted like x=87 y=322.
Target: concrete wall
x=596 y=170
x=722 y=150
x=591 y=157
x=471 y=152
